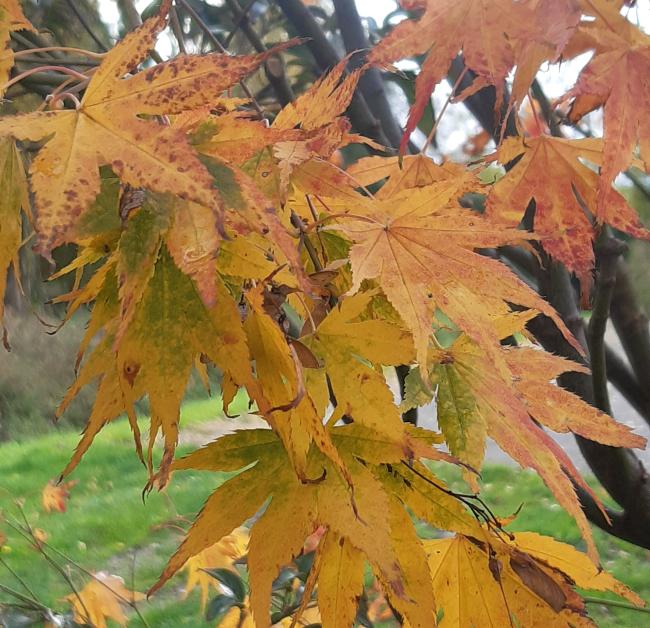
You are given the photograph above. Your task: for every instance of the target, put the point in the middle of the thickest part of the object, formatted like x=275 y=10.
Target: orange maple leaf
x=55 y=496
x=617 y=78
x=564 y=229
x=494 y=35
x=420 y=248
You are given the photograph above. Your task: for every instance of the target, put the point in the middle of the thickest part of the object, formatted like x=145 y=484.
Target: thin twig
x=38 y=544
x=65 y=62
x=241 y=18
x=19 y=596
x=44 y=68
x=273 y=67
x=17 y=576
x=84 y=23
x=177 y=30
x=82 y=51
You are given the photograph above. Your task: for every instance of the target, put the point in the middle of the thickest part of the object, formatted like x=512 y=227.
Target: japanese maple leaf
x=420 y=248
x=12 y=19
x=496 y=583
x=494 y=35
x=344 y=343
x=476 y=400
x=296 y=509
x=408 y=172
x=318 y=114
x=617 y=78
x=564 y=229
x=108 y=128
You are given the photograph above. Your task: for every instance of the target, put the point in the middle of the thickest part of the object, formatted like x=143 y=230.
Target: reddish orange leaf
x=494 y=35
x=55 y=496
x=616 y=78
x=565 y=231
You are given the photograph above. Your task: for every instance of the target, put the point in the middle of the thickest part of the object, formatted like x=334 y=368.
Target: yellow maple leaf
x=220 y=555
x=158 y=332
x=101 y=599
x=298 y=508
x=491 y=583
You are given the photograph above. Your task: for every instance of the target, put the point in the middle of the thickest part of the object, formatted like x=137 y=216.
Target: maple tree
x=206 y=236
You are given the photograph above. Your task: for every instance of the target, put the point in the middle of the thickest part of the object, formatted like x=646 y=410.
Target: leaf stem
x=434 y=128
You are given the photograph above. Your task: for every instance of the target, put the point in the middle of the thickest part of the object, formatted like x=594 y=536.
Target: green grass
x=107 y=526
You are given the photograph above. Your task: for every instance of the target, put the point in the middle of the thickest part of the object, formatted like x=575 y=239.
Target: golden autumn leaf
x=488 y=582
x=101 y=599
x=564 y=229
x=419 y=246
x=55 y=496
x=582 y=572
x=522 y=34
x=297 y=508
x=345 y=341
x=294 y=410
x=109 y=128
x=222 y=554
x=411 y=171
x=615 y=78
x=479 y=584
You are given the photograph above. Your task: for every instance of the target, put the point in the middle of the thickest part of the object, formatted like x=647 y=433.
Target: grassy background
x=107 y=526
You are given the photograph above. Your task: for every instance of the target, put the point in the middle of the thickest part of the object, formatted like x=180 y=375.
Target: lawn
x=108 y=527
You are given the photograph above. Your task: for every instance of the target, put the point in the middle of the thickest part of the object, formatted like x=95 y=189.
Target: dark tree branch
x=323 y=52
x=482 y=104
x=274 y=67
x=371 y=83
x=618 y=470
x=82 y=20
x=620 y=375
x=631 y=325
x=608 y=250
